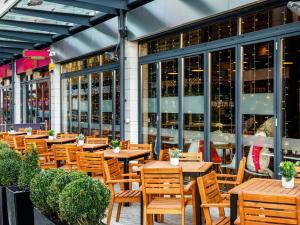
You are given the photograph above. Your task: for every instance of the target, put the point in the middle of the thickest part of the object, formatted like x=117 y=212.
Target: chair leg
x=110 y=208
x=183 y=217
x=150 y=219
x=119 y=212
x=194 y=206
x=145 y=222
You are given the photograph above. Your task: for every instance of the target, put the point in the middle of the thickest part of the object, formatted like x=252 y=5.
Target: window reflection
x=117 y=106
x=169 y=103
x=258 y=107
x=107 y=93
x=74 y=105
x=84 y=87
x=223 y=106
x=66 y=114
x=193 y=103
x=95 y=104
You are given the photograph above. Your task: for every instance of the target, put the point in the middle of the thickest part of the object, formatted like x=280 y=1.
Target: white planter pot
x=51 y=138
x=288 y=184
x=174 y=161
x=116 y=150
x=29 y=134
x=80 y=142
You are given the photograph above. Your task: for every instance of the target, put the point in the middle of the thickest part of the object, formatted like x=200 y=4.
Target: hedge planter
x=3 y=207
x=19 y=206
x=41 y=219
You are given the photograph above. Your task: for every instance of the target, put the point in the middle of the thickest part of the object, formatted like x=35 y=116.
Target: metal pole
x=12 y=100
x=122 y=28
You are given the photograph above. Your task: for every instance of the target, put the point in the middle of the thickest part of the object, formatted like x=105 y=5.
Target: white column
x=17 y=97
x=55 y=99
x=131 y=91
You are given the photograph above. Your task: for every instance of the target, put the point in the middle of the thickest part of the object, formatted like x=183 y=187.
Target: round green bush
x=9 y=171
x=9 y=154
x=57 y=186
x=39 y=188
x=3 y=145
x=83 y=202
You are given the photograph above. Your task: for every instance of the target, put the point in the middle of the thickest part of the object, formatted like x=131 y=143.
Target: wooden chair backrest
x=90 y=162
x=241 y=171
x=9 y=139
x=124 y=144
x=60 y=152
x=92 y=140
x=19 y=142
x=39 y=144
x=209 y=188
x=21 y=129
x=164 y=155
x=42 y=132
x=68 y=135
x=142 y=147
x=257 y=209
x=297 y=168
x=162 y=181
x=190 y=156
x=71 y=151
x=113 y=172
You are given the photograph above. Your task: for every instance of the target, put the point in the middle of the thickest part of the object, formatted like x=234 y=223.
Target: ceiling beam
x=65 y=17
x=16 y=44
x=10 y=50
x=59 y=29
x=6 y=55
x=114 y=4
x=85 y=5
x=26 y=36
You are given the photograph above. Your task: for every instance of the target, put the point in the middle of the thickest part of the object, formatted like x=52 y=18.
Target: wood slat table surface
x=61 y=141
x=125 y=154
x=93 y=147
x=16 y=133
x=187 y=167
x=36 y=136
x=260 y=186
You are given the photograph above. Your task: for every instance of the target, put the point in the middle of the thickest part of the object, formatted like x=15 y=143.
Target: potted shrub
x=115 y=146
x=51 y=134
x=9 y=172
x=84 y=201
x=174 y=156
x=19 y=205
x=288 y=173
x=80 y=139
x=28 y=131
x=58 y=183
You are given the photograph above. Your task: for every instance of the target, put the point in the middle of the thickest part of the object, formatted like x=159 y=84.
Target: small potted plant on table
x=28 y=131
x=51 y=134
x=80 y=139
x=115 y=146
x=174 y=156
x=288 y=173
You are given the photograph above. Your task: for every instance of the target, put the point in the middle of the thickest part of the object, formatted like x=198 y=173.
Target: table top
x=16 y=133
x=187 y=167
x=267 y=187
x=93 y=146
x=36 y=136
x=125 y=154
x=61 y=140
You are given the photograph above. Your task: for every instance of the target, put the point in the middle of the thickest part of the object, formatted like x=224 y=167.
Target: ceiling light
x=172 y=73
x=288 y=63
x=34 y=2
x=198 y=70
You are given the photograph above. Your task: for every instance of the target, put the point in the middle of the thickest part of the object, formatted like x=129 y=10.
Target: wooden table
x=192 y=169
x=259 y=186
x=94 y=147
x=16 y=133
x=36 y=136
x=60 y=141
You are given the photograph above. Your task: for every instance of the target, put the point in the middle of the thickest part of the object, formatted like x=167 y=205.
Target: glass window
x=149 y=103
x=107 y=97
x=169 y=103
x=95 y=104
x=193 y=103
x=267 y=18
x=290 y=98
x=117 y=106
x=74 y=105
x=258 y=108
x=66 y=105
x=223 y=107
x=84 y=104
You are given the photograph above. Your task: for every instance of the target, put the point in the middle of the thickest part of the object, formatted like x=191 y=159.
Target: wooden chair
x=60 y=156
x=156 y=185
x=19 y=144
x=68 y=135
x=142 y=147
x=91 y=163
x=114 y=177
x=190 y=156
x=231 y=179
x=297 y=168
x=9 y=140
x=164 y=155
x=21 y=129
x=124 y=144
x=71 y=151
x=257 y=209
x=40 y=144
x=102 y=141
x=211 y=198
x=42 y=132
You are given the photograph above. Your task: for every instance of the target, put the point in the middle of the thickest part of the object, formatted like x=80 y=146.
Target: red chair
x=213 y=153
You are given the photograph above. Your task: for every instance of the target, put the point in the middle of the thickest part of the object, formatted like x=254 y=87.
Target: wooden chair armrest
x=227 y=182
x=123 y=181
x=130 y=175
x=190 y=186
x=237 y=221
x=225 y=175
x=225 y=196
x=215 y=205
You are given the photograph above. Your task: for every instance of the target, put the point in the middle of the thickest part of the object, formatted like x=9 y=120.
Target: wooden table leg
x=142 y=210
x=233 y=208
x=198 y=206
x=126 y=185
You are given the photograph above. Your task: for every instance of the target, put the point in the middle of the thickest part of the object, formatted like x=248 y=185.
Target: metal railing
x=4 y=127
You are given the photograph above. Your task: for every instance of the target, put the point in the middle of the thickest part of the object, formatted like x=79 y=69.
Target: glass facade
x=222 y=99
x=35 y=95
x=6 y=101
